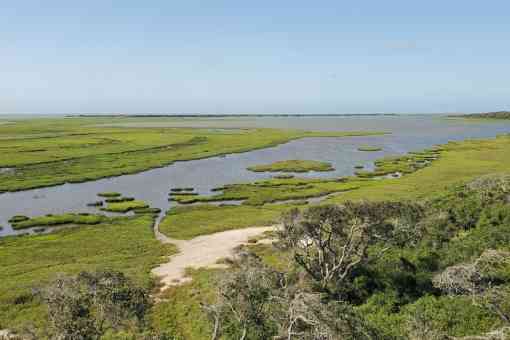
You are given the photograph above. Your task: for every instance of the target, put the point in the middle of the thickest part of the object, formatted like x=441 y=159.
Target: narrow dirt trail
x=202 y=251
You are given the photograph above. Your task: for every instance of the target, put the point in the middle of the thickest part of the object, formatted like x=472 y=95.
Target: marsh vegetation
x=294 y=165
x=28 y=263
x=427 y=255
x=368 y=148
x=46 y=152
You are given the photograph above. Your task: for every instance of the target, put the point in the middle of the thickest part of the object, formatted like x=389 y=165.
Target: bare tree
x=255 y=302
x=328 y=242
x=472 y=278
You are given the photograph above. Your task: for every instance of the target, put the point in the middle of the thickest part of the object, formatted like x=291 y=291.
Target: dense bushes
x=103 y=305
x=432 y=270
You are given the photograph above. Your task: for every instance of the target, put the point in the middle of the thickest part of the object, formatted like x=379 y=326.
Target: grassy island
x=368 y=148
x=123 y=206
x=294 y=165
x=56 y=220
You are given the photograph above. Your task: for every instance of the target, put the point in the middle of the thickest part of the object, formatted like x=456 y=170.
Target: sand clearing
x=202 y=251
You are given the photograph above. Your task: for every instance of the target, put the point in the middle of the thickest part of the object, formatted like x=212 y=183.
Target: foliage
x=256 y=302
x=390 y=267
x=330 y=242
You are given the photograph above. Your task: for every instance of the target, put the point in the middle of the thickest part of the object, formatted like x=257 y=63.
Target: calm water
x=408 y=133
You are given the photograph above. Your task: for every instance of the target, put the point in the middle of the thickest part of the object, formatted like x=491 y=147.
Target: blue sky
x=260 y=56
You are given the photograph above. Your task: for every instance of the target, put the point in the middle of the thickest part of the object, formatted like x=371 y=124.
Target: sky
x=278 y=56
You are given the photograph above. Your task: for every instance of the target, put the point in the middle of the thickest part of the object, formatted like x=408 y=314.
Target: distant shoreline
x=485 y=115
x=232 y=115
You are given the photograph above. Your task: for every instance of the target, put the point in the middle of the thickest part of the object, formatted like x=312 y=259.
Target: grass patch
x=55 y=220
x=187 y=222
x=125 y=206
x=125 y=243
x=293 y=165
x=368 y=148
x=283 y=176
x=181 y=313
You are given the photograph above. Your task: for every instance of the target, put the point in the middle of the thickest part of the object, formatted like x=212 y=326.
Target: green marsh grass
x=54 y=220
x=45 y=152
x=368 y=148
x=125 y=206
x=187 y=222
x=123 y=243
x=272 y=190
x=294 y=165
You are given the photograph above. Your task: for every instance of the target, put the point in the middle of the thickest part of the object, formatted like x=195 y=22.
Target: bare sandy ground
x=202 y=251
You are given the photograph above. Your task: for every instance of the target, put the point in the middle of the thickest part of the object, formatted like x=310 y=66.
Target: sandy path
x=202 y=251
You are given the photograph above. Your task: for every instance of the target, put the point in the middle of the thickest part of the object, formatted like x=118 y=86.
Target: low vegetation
x=124 y=206
x=100 y=305
x=294 y=165
x=187 y=222
x=368 y=148
x=55 y=220
x=29 y=263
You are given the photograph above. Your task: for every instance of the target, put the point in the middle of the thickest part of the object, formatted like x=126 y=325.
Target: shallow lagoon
x=408 y=133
